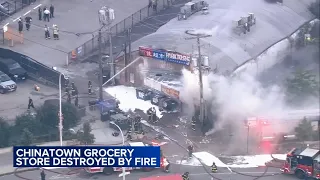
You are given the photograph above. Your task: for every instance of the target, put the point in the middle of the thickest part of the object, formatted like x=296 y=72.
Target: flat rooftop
x=225 y=49
x=71 y=16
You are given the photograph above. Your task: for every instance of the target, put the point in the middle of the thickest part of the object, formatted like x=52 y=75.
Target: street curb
x=18 y=171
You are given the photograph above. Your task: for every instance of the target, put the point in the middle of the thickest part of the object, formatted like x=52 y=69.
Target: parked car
x=13 y=69
x=6 y=84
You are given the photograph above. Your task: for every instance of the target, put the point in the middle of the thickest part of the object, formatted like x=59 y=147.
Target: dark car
x=13 y=69
x=6 y=84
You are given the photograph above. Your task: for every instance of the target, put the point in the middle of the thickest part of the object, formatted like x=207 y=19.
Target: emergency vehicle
x=303 y=163
x=168 y=177
x=109 y=170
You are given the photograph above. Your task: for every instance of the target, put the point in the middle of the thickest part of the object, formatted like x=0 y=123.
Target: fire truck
x=303 y=163
x=168 y=177
x=164 y=164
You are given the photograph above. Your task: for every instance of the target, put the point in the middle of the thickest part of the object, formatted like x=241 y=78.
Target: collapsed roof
x=225 y=49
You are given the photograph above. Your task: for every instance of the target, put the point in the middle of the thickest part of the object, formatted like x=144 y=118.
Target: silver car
x=6 y=84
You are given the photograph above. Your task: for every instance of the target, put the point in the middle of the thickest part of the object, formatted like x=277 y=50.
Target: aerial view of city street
x=229 y=89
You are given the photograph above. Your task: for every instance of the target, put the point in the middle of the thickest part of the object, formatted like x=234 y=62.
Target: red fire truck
x=303 y=163
x=109 y=170
x=168 y=177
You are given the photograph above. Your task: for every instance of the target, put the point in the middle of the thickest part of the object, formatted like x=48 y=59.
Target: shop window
x=131 y=77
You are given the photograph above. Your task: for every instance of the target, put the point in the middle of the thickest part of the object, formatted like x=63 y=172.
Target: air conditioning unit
x=194 y=61
x=205 y=61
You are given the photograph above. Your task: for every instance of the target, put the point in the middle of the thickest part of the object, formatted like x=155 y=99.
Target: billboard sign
x=164 y=55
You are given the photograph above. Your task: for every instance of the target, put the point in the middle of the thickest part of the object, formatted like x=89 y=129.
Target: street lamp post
x=123 y=169
x=60 y=109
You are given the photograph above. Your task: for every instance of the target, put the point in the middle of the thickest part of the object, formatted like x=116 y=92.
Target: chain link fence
x=88 y=48
x=10 y=7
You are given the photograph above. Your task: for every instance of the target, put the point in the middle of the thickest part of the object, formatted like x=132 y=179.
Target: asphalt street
x=195 y=173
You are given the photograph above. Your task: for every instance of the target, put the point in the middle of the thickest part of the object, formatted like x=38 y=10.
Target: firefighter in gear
x=185 y=176
x=129 y=136
x=165 y=164
x=154 y=115
x=66 y=85
x=68 y=97
x=149 y=113
x=55 y=32
x=89 y=87
x=214 y=167
x=137 y=125
x=74 y=90
x=193 y=123
x=76 y=101
x=190 y=150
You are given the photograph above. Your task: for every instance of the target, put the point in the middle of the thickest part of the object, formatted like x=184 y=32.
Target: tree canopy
x=302 y=85
x=29 y=129
x=4 y=133
x=315 y=8
x=85 y=136
x=304 y=131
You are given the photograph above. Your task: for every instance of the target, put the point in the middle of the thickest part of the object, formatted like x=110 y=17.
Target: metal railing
x=89 y=47
x=12 y=6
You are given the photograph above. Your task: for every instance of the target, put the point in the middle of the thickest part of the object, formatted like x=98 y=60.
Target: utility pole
x=106 y=16
x=112 y=63
x=129 y=43
x=100 y=67
x=199 y=63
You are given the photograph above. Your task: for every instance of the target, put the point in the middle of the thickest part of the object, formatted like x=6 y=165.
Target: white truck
x=109 y=170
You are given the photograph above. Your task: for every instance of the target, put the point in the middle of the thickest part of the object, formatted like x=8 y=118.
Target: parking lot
x=15 y=103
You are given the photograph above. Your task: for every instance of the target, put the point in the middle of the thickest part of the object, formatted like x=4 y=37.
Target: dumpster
x=143 y=94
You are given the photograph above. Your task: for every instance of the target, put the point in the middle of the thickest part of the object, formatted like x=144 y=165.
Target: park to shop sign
x=164 y=55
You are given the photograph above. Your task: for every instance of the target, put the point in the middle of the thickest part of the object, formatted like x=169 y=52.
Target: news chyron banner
x=90 y=156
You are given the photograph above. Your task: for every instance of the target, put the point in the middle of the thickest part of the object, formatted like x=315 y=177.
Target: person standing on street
x=20 y=24
x=43 y=175
x=51 y=11
x=76 y=101
x=40 y=13
x=69 y=97
x=193 y=123
x=55 y=32
x=89 y=87
x=30 y=103
x=46 y=14
x=28 y=20
x=46 y=32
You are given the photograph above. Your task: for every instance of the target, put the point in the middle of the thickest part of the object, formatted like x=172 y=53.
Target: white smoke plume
x=237 y=98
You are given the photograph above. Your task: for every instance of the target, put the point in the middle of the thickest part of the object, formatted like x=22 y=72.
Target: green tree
x=27 y=138
x=48 y=117
x=314 y=8
x=302 y=85
x=304 y=130
x=85 y=136
x=4 y=133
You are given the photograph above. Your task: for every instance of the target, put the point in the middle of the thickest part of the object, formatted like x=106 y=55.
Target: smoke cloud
x=235 y=98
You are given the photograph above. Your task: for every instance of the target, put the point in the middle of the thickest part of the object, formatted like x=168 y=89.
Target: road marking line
x=17 y=19
x=228 y=173
x=27 y=13
x=37 y=6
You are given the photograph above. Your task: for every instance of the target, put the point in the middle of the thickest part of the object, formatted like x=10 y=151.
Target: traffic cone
x=36 y=87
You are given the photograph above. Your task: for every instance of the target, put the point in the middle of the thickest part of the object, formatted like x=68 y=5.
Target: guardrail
x=10 y=7
x=90 y=46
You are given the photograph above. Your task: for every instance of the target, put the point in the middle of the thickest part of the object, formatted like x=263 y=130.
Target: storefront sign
x=171 y=92
x=164 y=55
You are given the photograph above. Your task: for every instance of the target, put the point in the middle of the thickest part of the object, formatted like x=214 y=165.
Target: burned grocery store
x=157 y=76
